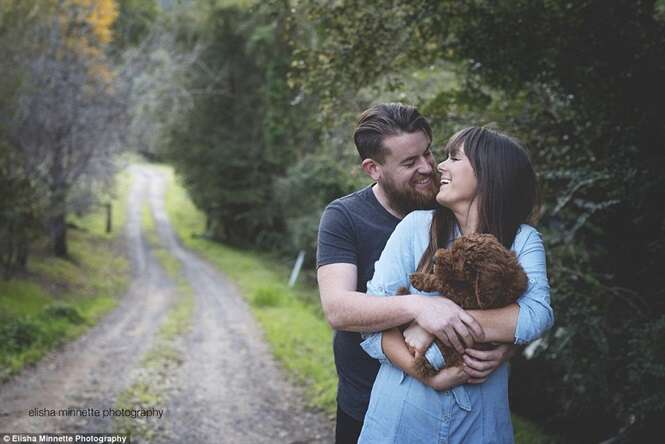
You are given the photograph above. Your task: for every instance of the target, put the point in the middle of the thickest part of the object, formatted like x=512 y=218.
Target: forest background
x=254 y=104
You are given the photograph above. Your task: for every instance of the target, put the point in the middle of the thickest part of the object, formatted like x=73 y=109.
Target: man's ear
x=372 y=168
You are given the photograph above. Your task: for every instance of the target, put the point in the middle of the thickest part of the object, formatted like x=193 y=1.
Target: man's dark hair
x=385 y=120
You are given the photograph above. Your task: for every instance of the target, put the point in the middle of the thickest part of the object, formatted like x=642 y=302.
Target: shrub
x=268 y=297
x=60 y=310
x=19 y=334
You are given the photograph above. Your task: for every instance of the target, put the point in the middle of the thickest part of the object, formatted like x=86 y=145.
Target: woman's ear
x=372 y=168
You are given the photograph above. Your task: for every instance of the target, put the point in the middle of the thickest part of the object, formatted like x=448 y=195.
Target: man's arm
x=498 y=325
x=347 y=309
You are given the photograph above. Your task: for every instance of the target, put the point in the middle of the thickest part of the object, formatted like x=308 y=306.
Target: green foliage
x=60 y=310
x=134 y=21
x=237 y=135
x=58 y=299
x=18 y=334
x=305 y=190
x=21 y=210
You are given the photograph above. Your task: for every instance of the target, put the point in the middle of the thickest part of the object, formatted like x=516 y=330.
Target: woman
x=487 y=186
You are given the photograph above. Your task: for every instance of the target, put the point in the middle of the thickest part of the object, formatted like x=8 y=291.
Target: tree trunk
x=58 y=224
x=58 y=230
x=109 y=217
x=23 y=249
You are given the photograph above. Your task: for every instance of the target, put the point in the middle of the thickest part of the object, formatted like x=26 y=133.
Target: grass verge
x=58 y=299
x=299 y=336
x=153 y=380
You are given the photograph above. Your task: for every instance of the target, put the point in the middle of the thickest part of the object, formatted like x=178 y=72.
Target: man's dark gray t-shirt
x=354 y=229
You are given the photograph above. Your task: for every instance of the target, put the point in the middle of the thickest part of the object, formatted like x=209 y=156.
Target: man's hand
x=479 y=364
x=417 y=339
x=447 y=378
x=448 y=322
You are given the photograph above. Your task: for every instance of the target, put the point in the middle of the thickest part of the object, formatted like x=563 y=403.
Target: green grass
x=58 y=299
x=297 y=333
x=527 y=432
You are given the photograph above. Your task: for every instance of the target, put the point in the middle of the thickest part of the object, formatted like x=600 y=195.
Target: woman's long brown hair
x=506 y=192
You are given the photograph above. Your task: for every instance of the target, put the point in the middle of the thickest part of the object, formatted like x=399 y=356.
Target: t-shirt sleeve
x=337 y=237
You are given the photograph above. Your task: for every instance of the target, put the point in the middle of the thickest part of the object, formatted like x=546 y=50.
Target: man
x=394 y=143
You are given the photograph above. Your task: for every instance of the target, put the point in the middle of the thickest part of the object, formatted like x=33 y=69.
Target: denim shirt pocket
x=462 y=398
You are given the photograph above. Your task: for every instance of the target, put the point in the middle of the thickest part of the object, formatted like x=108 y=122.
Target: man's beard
x=408 y=199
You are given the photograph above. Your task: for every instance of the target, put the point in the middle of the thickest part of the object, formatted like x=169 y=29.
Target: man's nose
x=425 y=167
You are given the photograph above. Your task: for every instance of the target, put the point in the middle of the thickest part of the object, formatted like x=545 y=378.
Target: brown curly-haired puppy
x=476 y=272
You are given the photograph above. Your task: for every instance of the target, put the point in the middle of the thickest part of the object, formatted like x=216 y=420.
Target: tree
x=67 y=104
x=244 y=128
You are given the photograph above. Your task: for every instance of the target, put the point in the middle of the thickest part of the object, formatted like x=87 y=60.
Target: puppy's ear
x=441 y=260
x=443 y=264
x=490 y=285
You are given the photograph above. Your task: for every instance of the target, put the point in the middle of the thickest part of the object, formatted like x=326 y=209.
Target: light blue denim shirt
x=401 y=408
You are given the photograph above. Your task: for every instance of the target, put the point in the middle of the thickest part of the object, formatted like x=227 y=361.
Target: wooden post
x=109 y=217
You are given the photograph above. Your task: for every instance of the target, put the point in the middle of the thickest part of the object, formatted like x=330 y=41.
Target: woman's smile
x=458 y=181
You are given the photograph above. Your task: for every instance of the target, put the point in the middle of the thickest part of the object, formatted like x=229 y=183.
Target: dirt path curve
x=229 y=387
x=91 y=371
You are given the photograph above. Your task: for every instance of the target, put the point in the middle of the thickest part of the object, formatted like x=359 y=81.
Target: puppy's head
x=492 y=272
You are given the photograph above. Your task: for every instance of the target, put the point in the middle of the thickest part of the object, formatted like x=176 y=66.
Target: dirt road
x=228 y=387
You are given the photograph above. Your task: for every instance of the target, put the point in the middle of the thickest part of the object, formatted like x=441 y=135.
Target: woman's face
x=458 y=182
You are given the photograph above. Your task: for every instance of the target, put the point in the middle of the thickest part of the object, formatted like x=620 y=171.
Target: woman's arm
x=398 y=353
x=532 y=315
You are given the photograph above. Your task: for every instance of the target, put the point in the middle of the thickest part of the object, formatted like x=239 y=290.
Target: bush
x=19 y=334
x=268 y=297
x=61 y=310
x=303 y=193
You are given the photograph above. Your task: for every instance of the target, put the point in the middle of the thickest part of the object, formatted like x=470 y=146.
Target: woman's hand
x=417 y=339
x=479 y=364
x=447 y=378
